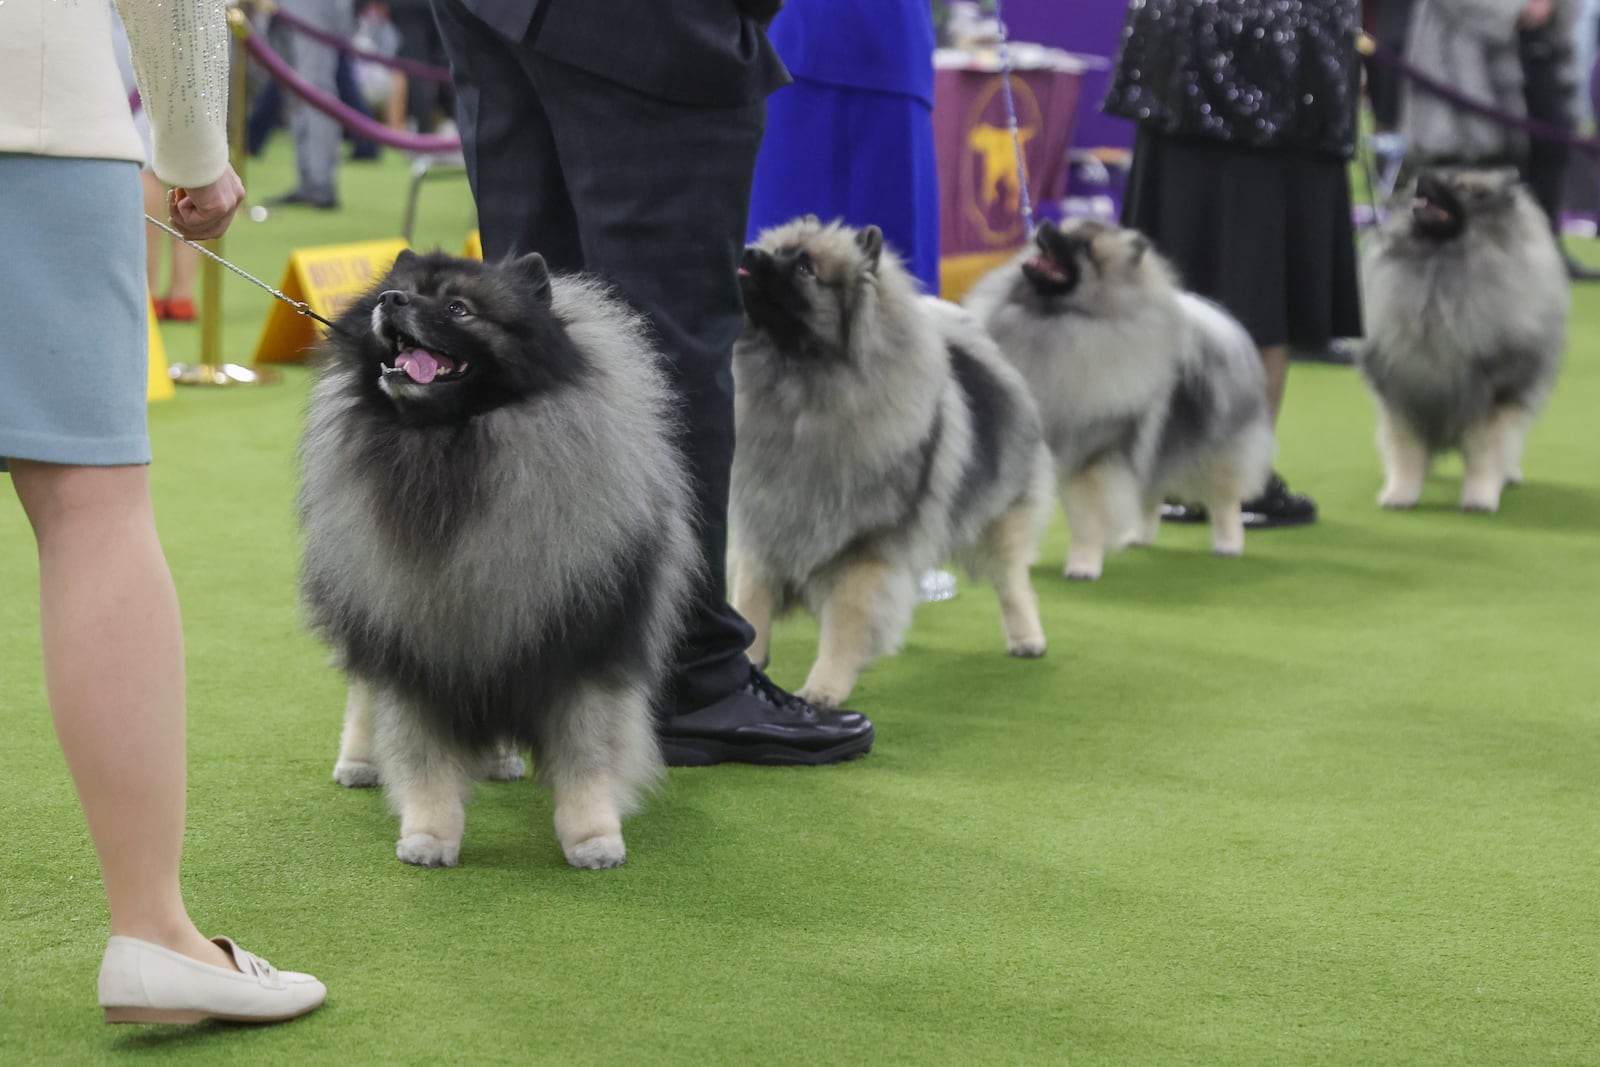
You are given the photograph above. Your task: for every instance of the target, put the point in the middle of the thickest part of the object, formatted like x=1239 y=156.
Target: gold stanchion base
x=226 y=374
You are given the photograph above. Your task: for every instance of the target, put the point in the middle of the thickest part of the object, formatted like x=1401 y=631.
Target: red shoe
x=160 y=307
x=180 y=309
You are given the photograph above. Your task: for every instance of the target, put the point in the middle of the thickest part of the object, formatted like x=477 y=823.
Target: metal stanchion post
x=211 y=370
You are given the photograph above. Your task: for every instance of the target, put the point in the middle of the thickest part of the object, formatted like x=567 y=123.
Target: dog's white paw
x=1398 y=498
x=507 y=766
x=598 y=853
x=1482 y=497
x=820 y=695
x=425 y=850
x=356 y=774
x=1228 y=549
x=1026 y=649
x=1082 y=572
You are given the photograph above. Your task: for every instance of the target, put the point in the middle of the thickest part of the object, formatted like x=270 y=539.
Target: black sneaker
x=1276 y=506
x=765 y=724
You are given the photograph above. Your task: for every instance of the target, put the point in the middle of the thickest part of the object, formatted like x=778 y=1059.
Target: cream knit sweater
x=61 y=94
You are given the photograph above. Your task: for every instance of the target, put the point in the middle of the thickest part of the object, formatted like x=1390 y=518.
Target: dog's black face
x=1448 y=200
x=442 y=339
x=1058 y=268
x=779 y=289
x=1437 y=213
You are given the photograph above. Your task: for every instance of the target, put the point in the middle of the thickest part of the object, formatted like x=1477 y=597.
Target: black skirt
x=1265 y=233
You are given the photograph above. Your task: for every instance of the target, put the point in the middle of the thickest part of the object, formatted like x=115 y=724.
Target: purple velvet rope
x=411 y=66
x=348 y=117
x=1543 y=131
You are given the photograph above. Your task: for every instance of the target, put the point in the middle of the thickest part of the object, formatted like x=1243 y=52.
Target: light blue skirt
x=73 y=341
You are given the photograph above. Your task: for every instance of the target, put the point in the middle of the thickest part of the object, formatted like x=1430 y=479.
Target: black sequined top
x=1266 y=73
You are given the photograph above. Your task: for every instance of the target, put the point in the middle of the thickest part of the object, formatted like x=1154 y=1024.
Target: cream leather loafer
x=142 y=982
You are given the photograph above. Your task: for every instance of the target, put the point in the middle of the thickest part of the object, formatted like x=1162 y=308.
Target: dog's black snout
x=393 y=298
x=751 y=259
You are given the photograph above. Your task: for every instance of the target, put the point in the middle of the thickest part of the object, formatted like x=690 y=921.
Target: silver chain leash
x=1024 y=201
x=300 y=306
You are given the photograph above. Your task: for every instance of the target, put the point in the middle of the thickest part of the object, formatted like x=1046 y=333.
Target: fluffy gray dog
x=1146 y=391
x=1466 y=301
x=879 y=432
x=497 y=543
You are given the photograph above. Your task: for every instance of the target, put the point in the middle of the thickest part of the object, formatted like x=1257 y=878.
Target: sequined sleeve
x=180 y=54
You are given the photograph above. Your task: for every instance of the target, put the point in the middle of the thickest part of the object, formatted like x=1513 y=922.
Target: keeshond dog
x=1146 y=391
x=1466 y=302
x=497 y=542
x=879 y=432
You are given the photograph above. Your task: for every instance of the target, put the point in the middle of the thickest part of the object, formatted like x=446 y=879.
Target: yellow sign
x=474 y=246
x=327 y=278
x=160 y=387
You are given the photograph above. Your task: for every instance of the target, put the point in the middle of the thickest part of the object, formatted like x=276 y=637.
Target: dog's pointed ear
x=870 y=241
x=535 y=273
x=1138 y=245
x=406 y=258
x=811 y=220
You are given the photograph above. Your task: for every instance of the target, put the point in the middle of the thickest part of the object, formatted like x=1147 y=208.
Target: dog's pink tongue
x=420 y=366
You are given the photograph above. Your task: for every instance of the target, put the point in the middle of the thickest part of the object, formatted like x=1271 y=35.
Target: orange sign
x=328 y=279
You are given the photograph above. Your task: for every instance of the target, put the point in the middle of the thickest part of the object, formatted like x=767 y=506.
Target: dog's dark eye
x=803 y=267
x=457 y=308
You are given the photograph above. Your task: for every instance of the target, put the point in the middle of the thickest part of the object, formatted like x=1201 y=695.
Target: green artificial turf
x=1337 y=802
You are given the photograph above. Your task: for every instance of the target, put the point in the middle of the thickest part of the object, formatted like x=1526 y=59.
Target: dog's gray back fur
x=903 y=437
x=1128 y=364
x=1458 y=328
x=574 y=518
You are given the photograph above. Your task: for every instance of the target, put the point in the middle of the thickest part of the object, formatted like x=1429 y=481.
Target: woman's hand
x=206 y=210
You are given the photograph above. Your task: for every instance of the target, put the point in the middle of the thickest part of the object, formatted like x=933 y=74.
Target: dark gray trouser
x=653 y=196
x=318 y=139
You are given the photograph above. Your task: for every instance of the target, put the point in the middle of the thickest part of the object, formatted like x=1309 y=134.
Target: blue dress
x=852 y=138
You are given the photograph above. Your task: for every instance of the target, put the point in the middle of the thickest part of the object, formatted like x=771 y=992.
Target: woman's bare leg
x=113 y=660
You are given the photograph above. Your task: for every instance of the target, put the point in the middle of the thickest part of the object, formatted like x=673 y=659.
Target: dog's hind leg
x=753 y=599
x=597 y=755
x=427 y=783
x=866 y=612
x=1102 y=505
x=504 y=764
x=1004 y=553
x=1149 y=528
x=357 y=765
x=1405 y=460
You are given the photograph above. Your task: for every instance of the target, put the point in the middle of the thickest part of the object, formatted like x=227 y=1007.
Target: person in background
x=383 y=88
x=621 y=140
x=73 y=437
x=426 y=100
x=317 y=138
x=1513 y=54
x=852 y=137
x=1388 y=21
x=1246 y=119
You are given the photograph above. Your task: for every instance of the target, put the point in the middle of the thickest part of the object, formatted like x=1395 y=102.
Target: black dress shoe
x=763 y=723
x=300 y=199
x=1276 y=506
